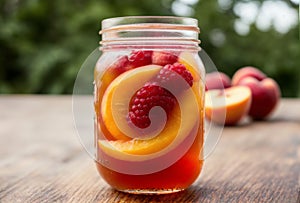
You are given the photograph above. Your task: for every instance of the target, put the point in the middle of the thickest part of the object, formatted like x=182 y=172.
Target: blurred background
x=43 y=43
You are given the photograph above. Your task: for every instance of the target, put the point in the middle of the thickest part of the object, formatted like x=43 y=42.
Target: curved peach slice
x=227 y=106
x=180 y=124
x=190 y=61
x=148 y=146
x=115 y=103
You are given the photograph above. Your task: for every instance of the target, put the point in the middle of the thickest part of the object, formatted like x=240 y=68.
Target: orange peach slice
x=227 y=106
x=181 y=122
x=115 y=102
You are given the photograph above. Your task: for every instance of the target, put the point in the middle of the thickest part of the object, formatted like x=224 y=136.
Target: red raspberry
x=120 y=66
x=140 y=58
x=163 y=58
x=134 y=60
x=149 y=96
x=168 y=74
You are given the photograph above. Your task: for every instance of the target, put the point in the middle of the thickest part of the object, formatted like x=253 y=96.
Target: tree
x=44 y=43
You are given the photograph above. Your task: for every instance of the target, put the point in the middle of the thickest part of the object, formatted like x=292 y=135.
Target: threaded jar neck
x=150 y=32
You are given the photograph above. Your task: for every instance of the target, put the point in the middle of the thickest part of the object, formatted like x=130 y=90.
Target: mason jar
x=149 y=104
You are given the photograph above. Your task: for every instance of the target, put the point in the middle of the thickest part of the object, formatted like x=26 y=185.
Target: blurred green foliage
x=44 y=42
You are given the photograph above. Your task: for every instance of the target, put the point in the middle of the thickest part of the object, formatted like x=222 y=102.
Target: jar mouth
x=150 y=29
x=150 y=22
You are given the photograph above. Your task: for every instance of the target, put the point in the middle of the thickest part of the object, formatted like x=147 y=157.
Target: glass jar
x=149 y=104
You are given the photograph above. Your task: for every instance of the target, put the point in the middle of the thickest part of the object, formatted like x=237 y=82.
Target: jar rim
x=149 y=22
x=150 y=30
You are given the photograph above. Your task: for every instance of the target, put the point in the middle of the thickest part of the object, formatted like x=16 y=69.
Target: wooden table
x=41 y=159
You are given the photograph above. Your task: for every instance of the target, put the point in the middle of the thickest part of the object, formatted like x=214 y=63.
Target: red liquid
x=178 y=176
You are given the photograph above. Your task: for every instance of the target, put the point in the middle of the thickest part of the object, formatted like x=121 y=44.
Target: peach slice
x=115 y=102
x=180 y=124
x=227 y=106
x=148 y=146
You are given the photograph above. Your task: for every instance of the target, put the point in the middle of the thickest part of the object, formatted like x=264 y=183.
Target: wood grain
x=41 y=159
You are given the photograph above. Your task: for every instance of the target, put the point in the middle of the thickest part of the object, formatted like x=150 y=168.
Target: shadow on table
x=192 y=194
x=249 y=122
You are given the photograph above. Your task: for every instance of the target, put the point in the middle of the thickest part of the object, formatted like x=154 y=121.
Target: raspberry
x=120 y=66
x=163 y=58
x=149 y=96
x=134 y=60
x=168 y=74
x=140 y=58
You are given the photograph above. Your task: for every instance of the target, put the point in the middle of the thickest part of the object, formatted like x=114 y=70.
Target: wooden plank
x=41 y=159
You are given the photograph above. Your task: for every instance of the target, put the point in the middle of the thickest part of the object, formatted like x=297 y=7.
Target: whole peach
x=247 y=71
x=217 y=80
x=265 y=96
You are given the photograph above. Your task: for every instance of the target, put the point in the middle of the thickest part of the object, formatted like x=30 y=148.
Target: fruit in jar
x=149 y=96
x=163 y=58
x=174 y=78
x=115 y=69
x=265 y=96
x=177 y=143
x=139 y=58
x=135 y=59
x=227 y=106
x=217 y=80
x=118 y=95
x=169 y=74
x=182 y=107
x=124 y=63
x=182 y=120
x=189 y=60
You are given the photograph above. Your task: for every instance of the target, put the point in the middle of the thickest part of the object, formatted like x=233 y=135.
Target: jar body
x=149 y=118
